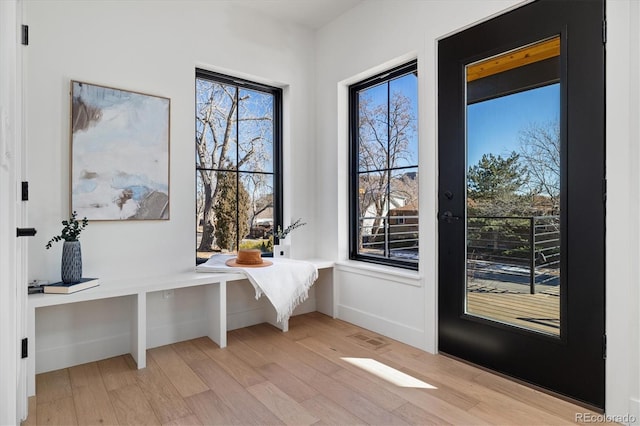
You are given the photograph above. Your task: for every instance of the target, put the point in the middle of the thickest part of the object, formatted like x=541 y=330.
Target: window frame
x=277 y=93
x=354 y=149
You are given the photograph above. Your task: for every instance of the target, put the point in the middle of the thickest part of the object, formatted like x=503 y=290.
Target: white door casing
x=13 y=395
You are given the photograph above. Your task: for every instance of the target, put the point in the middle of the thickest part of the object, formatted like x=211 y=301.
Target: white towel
x=286 y=283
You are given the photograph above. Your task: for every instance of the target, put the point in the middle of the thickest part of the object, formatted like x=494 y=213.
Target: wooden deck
x=540 y=311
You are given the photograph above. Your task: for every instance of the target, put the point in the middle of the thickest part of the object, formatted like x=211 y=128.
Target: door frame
x=451 y=240
x=13 y=294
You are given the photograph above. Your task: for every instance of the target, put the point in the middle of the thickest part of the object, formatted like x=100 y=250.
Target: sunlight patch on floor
x=387 y=373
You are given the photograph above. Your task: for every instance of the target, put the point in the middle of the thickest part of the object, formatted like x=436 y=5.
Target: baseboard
x=388 y=328
x=305 y=307
x=260 y=314
x=176 y=332
x=245 y=318
x=634 y=412
x=50 y=359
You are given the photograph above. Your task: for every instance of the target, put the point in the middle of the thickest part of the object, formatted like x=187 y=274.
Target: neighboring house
x=370 y=215
x=402 y=199
x=262 y=225
x=405 y=216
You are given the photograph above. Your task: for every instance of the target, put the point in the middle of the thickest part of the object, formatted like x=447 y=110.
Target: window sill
x=388 y=273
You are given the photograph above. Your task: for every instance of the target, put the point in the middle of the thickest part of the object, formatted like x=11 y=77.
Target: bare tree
x=540 y=153
x=199 y=203
x=261 y=194
x=384 y=139
x=233 y=131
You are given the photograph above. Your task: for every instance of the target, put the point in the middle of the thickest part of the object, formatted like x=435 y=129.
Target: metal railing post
x=387 y=235
x=532 y=255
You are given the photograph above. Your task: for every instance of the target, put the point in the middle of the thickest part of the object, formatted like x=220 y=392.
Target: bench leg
x=217 y=312
x=138 y=330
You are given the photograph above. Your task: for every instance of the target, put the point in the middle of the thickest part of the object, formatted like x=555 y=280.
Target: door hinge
x=604 y=31
x=25 y=347
x=604 y=346
x=604 y=190
x=25 y=191
x=25 y=35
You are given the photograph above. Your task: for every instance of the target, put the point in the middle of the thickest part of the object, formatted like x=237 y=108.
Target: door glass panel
x=513 y=188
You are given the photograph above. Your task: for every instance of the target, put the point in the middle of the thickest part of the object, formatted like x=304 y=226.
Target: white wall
x=354 y=46
x=151 y=47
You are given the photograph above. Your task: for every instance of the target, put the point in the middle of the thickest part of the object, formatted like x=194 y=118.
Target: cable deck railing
x=390 y=236
x=506 y=248
x=511 y=249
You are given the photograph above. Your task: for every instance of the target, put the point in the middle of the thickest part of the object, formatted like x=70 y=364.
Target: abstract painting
x=119 y=153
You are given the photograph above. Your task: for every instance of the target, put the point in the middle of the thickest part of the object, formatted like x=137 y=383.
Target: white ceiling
x=308 y=13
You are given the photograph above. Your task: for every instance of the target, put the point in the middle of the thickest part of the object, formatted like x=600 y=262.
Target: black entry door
x=521 y=196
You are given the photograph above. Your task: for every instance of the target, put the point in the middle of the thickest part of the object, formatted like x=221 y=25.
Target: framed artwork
x=119 y=153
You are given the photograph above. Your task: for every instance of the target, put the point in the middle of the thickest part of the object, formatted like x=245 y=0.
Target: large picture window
x=384 y=168
x=238 y=151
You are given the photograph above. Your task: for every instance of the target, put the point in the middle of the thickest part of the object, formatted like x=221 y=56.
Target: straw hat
x=248 y=258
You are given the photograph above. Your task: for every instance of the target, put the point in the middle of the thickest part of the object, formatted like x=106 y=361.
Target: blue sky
x=493 y=126
x=408 y=86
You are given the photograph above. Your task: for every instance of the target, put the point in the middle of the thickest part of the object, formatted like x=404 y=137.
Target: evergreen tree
x=494 y=185
x=231 y=195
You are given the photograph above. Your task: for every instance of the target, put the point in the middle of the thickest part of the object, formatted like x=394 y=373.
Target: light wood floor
x=267 y=377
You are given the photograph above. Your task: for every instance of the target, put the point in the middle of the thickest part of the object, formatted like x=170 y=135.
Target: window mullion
x=387 y=236
x=237 y=168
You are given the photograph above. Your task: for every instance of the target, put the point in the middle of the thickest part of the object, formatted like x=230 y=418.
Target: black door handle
x=448 y=217
x=26 y=232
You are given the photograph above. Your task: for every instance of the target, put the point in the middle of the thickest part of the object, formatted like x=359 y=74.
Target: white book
x=67 y=288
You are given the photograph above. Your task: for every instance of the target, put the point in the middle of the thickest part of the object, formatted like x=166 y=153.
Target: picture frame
x=120 y=143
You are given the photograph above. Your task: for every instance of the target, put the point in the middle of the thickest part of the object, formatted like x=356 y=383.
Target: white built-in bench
x=138 y=288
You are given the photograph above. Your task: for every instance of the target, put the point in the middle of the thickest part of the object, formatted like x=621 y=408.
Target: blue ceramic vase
x=71 y=266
